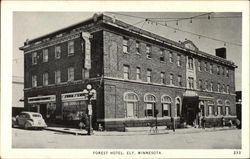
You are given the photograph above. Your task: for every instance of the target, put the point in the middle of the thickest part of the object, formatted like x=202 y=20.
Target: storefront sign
x=42 y=99
x=74 y=96
x=87 y=62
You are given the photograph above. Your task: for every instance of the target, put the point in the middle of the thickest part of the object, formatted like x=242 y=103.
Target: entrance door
x=190 y=116
x=43 y=110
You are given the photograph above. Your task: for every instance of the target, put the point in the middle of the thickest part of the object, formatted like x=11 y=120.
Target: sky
x=29 y=25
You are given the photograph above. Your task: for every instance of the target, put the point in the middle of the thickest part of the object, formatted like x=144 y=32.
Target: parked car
x=29 y=120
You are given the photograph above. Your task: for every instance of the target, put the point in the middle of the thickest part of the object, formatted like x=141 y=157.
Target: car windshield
x=36 y=115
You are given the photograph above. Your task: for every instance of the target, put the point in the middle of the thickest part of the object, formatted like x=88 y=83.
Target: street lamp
x=90 y=92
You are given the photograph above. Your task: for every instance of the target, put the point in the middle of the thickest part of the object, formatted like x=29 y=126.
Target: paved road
x=228 y=139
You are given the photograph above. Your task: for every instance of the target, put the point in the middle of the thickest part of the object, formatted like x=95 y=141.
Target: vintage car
x=29 y=120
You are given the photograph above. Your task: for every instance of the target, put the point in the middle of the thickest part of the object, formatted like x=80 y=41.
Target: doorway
x=190 y=116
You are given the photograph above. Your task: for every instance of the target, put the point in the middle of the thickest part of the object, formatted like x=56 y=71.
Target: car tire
x=26 y=126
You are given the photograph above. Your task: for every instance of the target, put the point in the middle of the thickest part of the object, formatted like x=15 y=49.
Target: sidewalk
x=137 y=131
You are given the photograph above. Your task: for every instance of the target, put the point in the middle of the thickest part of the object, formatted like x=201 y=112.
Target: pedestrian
x=151 y=127
x=203 y=122
x=223 y=121
x=173 y=123
x=238 y=123
x=230 y=123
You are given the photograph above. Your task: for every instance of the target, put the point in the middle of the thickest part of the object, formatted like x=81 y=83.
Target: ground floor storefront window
x=166 y=105
x=150 y=101
x=73 y=110
x=131 y=104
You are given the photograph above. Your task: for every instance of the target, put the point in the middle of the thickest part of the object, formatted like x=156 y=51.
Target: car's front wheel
x=26 y=126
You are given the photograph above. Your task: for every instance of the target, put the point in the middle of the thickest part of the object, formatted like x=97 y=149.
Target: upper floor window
x=211 y=86
x=34 y=80
x=227 y=72
x=191 y=82
x=219 y=110
x=71 y=74
x=125 y=45
x=190 y=63
x=227 y=110
x=171 y=56
x=34 y=58
x=171 y=82
x=206 y=85
x=162 y=58
x=180 y=80
x=199 y=65
x=223 y=71
x=126 y=72
x=148 y=51
x=58 y=52
x=137 y=46
x=178 y=60
x=218 y=87
x=163 y=78
x=218 y=70
x=70 y=47
x=45 y=79
x=45 y=55
x=223 y=88
x=57 y=77
x=210 y=110
x=149 y=75
x=138 y=73
x=205 y=67
x=211 y=68
x=200 y=84
x=227 y=91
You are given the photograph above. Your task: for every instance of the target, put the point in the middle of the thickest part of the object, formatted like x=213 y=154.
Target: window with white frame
x=171 y=56
x=125 y=45
x=179 y=80
x=178 y=106
x=34 y=80
x=166 y=105
x=138 y=73
x=190 y=82
x=148 y=51
x=210 y=110
x=131 y=102
x=71 y=47
x=162 y=57
x=227 y=72
x=71 y=75
x=211 y=86
x=57 y=77
x=219 y=108
x=227 y=110
x=34 y=58
x=199 y=65
x=190 y=63
x=149 y=78
x=200 y=84
x=45 y=79
x=223 y=71
x=205 y=66
x=57 y=52
x=211 y=69
x=171 y=81
x=178 y=60
x=206 y=85
x=150 y=101
x=137 y=46
x=45 y=55
x=218 y=87
x=218 y=70
x=223 y=88
x=163 y=78
x=227 y=91
x=126 y=72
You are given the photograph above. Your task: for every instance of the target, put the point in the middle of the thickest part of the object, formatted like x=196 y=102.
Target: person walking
x=203 y=122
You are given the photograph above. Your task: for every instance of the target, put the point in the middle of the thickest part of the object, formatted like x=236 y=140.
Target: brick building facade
x=134 y=73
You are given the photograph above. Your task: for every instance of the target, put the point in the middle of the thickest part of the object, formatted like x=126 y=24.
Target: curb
x=67 y=132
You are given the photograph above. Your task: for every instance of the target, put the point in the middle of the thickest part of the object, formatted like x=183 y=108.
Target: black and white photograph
x=127 y=84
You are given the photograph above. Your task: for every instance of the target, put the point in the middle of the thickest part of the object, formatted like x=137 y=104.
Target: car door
x=20 y=119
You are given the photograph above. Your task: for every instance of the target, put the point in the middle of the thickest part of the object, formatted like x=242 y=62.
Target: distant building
x=17 y=96
x=134 y=72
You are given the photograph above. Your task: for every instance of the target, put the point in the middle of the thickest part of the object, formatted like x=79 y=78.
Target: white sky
x=29 y=25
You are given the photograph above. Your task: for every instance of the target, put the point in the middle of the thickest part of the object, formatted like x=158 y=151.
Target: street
x=228 y=139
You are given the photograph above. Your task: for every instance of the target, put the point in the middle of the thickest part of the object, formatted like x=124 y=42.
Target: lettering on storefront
x=42 y=99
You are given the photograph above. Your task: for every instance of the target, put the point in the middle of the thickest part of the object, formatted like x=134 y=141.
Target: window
x=166 y=105
x=171 y=57
x=190 y=63
x=227 y=72
x=211 y=86
x=71 y=74
x=125 y=45
x=227 y=91
x=45 y=55
x=137 y=46
x=223 y=88
x=210 y=110
x=131 y=100
x=34 y=58
x=227 y=110
x=70 y=47
x=149 y=75
x=126 y=72
x=45 y=79
x=199 y=65
x=218 y=70
x=178 y=60
x=57 y=77
x=206 y=85
x=162 y=58
x=200 y=84
x=205 y=67
x=223 y=71
x=148 y=51
x=211 y=69
x=171 y=82
x=191 y=82
x=180 y=80
x=219 y=110
x=218 y=87
x=34 y=81
x=178 y=106
x=57 y=52
x=163 y=78
x=150 y=101
x=138 y=73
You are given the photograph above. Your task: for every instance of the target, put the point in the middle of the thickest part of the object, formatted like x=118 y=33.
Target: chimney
x=221 y=52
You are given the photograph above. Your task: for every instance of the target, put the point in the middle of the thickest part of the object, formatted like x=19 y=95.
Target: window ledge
x=71 y=54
